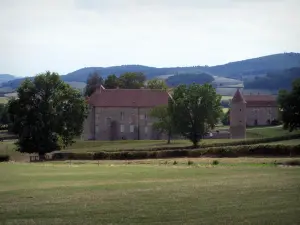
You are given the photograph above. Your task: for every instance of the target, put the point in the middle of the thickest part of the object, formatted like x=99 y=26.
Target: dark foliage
x=93 y=82
x=290 y=107
x=225 y=151
x=4 y=158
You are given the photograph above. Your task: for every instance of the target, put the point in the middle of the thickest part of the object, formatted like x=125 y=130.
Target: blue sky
x=65 y=35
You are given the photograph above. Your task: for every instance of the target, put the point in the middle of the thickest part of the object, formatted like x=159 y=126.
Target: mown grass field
x=237 y=191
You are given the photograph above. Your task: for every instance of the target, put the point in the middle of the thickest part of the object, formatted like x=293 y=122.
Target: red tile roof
x=260 y=100
x=128 y=98
x=238 y=97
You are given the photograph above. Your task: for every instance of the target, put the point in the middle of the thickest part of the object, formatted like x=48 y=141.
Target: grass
x=248 y=192
x=263 y=132
x=288 y=142
x=224 y=97
x=3 y=100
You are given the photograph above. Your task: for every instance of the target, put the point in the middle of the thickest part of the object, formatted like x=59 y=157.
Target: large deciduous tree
x=132 y=80
x=47 y=114
x=163 y=123
x=111 y=82
x=290 y=106
x=195 y=110
x=94 y=80
x=157 y=84
x=4 y=117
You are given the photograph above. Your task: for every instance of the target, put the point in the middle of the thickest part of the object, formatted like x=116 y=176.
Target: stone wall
x=123 y=123
x=260 y=116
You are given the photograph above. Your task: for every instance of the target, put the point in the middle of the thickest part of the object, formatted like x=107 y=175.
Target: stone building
x=251 y=110
x=116 y=114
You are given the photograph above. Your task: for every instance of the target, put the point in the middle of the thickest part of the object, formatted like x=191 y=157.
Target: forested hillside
x=275 y=80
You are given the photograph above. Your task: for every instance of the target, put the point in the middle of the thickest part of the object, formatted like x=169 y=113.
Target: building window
x=97 y=129
x=146 y=130
x=146 y=117
x=240 y=110
x=141 y=116
x=122 y=128
x=131 y=128
x=122 y=116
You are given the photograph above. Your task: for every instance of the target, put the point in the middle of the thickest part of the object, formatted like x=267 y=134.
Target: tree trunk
x=41 y=157
x=169 y=137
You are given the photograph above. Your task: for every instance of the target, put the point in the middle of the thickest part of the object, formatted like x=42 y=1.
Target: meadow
x=237 y=191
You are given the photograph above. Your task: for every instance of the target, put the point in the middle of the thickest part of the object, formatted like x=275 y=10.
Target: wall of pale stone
x=124 y=123
x=260 y=116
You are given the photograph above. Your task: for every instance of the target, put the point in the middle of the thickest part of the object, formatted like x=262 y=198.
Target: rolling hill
x=246 y=68
x=6 y=77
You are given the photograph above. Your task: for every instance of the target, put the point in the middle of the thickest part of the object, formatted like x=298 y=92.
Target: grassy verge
x=148 y=194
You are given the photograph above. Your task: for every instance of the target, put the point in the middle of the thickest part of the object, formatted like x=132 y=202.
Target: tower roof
x=238 y=97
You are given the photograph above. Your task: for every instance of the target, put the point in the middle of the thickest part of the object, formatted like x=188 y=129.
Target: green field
x=237 y=191
x=3 y=100
x=288 y=142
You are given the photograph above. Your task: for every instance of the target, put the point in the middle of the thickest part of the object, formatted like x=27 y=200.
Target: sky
x=65 y=35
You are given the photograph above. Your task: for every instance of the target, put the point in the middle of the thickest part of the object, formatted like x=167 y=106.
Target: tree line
x=130 y=80
x=48 y=114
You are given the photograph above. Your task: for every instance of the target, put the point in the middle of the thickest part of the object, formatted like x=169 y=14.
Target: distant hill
x=257 y=66
x=6 y=77
x=275 y=80
x=245 y=68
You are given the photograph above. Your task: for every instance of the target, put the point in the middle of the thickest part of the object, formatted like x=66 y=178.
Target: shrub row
x=225 y=151
x=226 y=144
x=4 y=158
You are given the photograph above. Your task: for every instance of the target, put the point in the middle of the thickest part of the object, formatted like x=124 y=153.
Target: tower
x=238 y=116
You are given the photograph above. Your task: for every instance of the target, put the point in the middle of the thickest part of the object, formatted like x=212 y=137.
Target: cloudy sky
x=65 y=35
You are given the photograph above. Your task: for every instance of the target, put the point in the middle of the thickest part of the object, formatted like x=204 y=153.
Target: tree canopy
x=4 y=117
x=132 y=80
x=164 y=123
x=94 y=80
x=290 y=105
x=47 y=114
x=195 y=110
x=111 y=82
x=157 y=84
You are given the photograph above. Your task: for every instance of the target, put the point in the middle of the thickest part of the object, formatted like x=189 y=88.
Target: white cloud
x=65 y=35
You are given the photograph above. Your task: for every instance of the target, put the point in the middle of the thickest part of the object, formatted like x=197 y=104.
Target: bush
x=215 y=162
x=175 y=162
x=294 y=162
x=225 y=151
x=4 y=158
x=190 y=162
x=228 y=144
